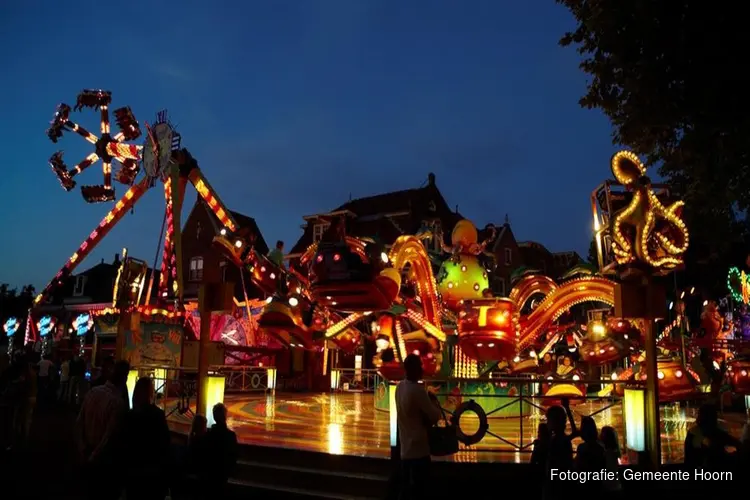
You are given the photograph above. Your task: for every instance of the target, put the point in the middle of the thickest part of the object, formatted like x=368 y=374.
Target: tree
x=670 y=77
x=13 y=303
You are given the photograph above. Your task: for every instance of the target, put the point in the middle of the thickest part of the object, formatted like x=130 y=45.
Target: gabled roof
x=397 y=201
x=533 y=245
x=244 y=222
x=247 y=222
x=387 y=215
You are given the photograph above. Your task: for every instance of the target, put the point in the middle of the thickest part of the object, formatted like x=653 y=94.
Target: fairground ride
x=165 y=163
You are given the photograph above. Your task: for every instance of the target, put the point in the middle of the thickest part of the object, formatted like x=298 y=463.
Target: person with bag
x=417 y=412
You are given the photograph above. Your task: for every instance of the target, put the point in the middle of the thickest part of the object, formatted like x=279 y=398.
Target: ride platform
x=348 y=423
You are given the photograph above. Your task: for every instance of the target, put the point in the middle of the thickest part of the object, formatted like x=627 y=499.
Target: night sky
x=292 y=106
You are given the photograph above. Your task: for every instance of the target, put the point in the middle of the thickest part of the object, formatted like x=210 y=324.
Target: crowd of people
x=125 y=446
x=126 y=450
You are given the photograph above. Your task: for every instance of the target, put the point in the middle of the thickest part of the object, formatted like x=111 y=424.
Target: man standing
x=99 y=427
x=220 y=449
x=64 y=381
x=44 y=377
x=417 y=411
x=276 y=256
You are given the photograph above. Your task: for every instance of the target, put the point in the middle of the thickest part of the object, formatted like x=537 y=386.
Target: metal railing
x=507 y=420
x=354 y=380
x=243 y=378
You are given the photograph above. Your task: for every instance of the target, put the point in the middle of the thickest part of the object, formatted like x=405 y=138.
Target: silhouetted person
x=560 y=455
x=105 y=372
x=99 y=428
x=45 y=376
x=706 y=442
x=745 y=447
x=610 y=442
x=541 y=445
x=220 y=449
x=590 y=453
x=148 y=439
x=540 y=451
x=197 y=442
x=417 y=411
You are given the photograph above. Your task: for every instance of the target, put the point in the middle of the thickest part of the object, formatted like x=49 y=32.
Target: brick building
x=384 y=217
x=202 y=261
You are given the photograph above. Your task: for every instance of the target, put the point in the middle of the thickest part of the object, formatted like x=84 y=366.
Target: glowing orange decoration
x=645 y=230
x=738 y=376
x=675 y=382
x=488 y=329
x=493 y=329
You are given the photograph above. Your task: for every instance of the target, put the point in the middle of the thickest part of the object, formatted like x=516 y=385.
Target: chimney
x=430 y=179
x=102 y=260
x=456 y=208
x=117 y=259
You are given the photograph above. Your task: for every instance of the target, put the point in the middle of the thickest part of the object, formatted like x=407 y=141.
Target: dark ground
x=46 y=467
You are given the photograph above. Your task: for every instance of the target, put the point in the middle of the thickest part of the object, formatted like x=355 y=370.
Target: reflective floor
x=349 y=424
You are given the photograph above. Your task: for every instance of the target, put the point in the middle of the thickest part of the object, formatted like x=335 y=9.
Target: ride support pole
x=211 y=297
x=653 y=427
x=205 y=338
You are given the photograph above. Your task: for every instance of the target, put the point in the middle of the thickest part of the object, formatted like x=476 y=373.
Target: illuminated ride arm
x=122 y=207
x=409 y=250
x=567 y=295
x=529 y=286
x=208 y=194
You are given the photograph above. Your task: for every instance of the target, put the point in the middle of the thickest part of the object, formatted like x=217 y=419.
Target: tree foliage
x=672 y=78
x=15 y=303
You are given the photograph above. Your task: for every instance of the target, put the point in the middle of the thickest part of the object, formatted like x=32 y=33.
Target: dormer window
x=196 y=269
x=508 y=256
x=319 y=230
x=79 y=286
x=432 y=207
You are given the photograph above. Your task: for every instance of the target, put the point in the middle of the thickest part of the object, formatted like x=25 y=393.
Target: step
x=347 y=464
x=314 y=478
x=241 y=489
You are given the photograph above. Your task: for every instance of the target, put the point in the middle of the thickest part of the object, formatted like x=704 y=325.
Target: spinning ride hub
x=284 y=322
x=343 y=277
x=488 y=329
x=738 y=376
x=557 y=387
x=675 y=382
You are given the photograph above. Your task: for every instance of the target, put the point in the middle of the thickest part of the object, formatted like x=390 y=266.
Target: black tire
x=471 y=406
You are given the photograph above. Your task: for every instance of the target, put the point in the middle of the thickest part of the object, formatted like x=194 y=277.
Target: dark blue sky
x=291 y=106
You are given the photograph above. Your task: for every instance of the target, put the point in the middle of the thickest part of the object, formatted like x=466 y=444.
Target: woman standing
x=148 y=444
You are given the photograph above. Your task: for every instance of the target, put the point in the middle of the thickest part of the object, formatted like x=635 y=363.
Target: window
x=318 y=231
x=196 y=269
x=80 y=285
x=508 y=256
x=224 y=268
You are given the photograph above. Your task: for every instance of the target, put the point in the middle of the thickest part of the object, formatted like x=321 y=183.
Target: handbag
x=443 y=439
